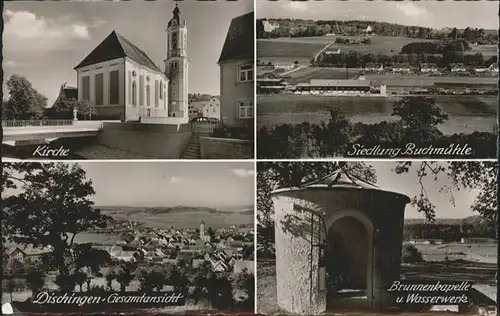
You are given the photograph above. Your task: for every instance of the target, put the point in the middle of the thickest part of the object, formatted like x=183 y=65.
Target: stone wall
x=153 y=140
x=224 y=148
x=297 y=269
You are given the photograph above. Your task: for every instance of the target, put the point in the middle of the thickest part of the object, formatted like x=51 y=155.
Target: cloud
x=411 y=9
x=176 y=179
x=12 y=63
x=297 y=6
x=24 y=30
x=243 y=172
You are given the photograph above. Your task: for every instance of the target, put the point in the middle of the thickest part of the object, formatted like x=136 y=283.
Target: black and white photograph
x=119 y=231
x=342 y=237
x=128 y=80
x=358 y=79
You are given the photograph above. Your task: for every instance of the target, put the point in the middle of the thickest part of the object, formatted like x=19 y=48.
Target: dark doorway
x=347 y=264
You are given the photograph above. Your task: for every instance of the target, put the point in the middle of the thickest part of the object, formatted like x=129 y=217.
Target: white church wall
x=151 y=109
x=105 y=68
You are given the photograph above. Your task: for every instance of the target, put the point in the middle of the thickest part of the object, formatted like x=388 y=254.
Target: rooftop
x=339 y=83
x=116 y=46
x=239 y=43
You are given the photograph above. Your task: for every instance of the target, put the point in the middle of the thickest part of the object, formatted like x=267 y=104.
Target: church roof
x=239 y=42
x=116 y=46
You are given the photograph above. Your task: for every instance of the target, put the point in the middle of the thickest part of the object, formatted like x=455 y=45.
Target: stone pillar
x=297 y=271
x=75 y=114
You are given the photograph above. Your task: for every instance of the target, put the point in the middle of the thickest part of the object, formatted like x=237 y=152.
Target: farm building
x=270 y=85
x=478 y=240
x=338 y=87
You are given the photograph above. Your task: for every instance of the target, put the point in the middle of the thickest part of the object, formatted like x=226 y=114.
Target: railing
x=204 y=127
x=36 y=123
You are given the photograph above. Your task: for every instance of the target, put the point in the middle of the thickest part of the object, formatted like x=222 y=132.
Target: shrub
x=411 y=254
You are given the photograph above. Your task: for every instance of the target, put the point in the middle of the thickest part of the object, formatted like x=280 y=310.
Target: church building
x=123 y=83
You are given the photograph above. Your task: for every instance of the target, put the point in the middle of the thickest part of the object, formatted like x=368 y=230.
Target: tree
x=220 y=292
x=85 y=108
x=246 y=283
x=35 y=280
x=80 y=278
x=25 y=102
x=475 y=175
x=109 y=279
x=11 y=287
x=125 y=275
x=51 y=209
x=333 y=137
x=410 y=254
x=420 y=117
x=211 y=233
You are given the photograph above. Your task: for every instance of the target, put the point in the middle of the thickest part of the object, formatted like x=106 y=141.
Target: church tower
x=176 y=66
x=202 y=230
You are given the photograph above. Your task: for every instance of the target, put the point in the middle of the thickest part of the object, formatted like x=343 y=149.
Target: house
x=458 y=68
x=236 y=64
x=122 y=81
x=401 y=68
x=27 y=254
x=493 y=68
x=219 y=266
x=428 y=68
x=270 y=26
x=66 y=94
x=209 y=108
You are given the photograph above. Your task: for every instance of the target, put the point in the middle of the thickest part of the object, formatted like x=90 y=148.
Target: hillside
x=129 y=210
x=445 y=221
x=181 y=216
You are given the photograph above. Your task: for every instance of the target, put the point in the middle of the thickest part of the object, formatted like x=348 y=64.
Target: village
x=228 y=249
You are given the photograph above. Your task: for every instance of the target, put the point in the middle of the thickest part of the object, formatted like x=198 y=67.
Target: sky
x=408 y=184
x=158 y=183
x=44 y=41
x=210 y=184
x=459 y=14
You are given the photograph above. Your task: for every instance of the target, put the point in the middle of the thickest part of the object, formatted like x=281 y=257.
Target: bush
x=411 y=255
x=244 y=133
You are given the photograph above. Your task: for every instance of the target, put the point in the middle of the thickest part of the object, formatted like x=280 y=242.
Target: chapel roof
x=239 y=42
x=116 y=46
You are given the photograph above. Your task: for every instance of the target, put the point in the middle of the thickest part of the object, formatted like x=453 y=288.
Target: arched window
x=148 y=96
x=161 y=89
x=174 y=40
x=134 y=94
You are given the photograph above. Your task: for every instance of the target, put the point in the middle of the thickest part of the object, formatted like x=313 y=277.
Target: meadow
x=466 y=113
x=183 y=219
x=309 y=46
x=486 y=253
x=304 y=75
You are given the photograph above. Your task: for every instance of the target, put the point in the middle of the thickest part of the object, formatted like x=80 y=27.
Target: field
x=466 y=113
x=288 y=51
x=309 y=46
x=184 y=219
x=486 y=253
x=482 y=275
x=304 y=75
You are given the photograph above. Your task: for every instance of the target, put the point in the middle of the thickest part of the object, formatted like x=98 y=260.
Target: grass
x=466 y=113
x=190 y=219
x=478 y=273
x=287 y=50
x=391 y=80
x=309 y=46
x=292 y=103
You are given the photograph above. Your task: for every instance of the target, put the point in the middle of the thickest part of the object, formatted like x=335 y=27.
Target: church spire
x=177 y=12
